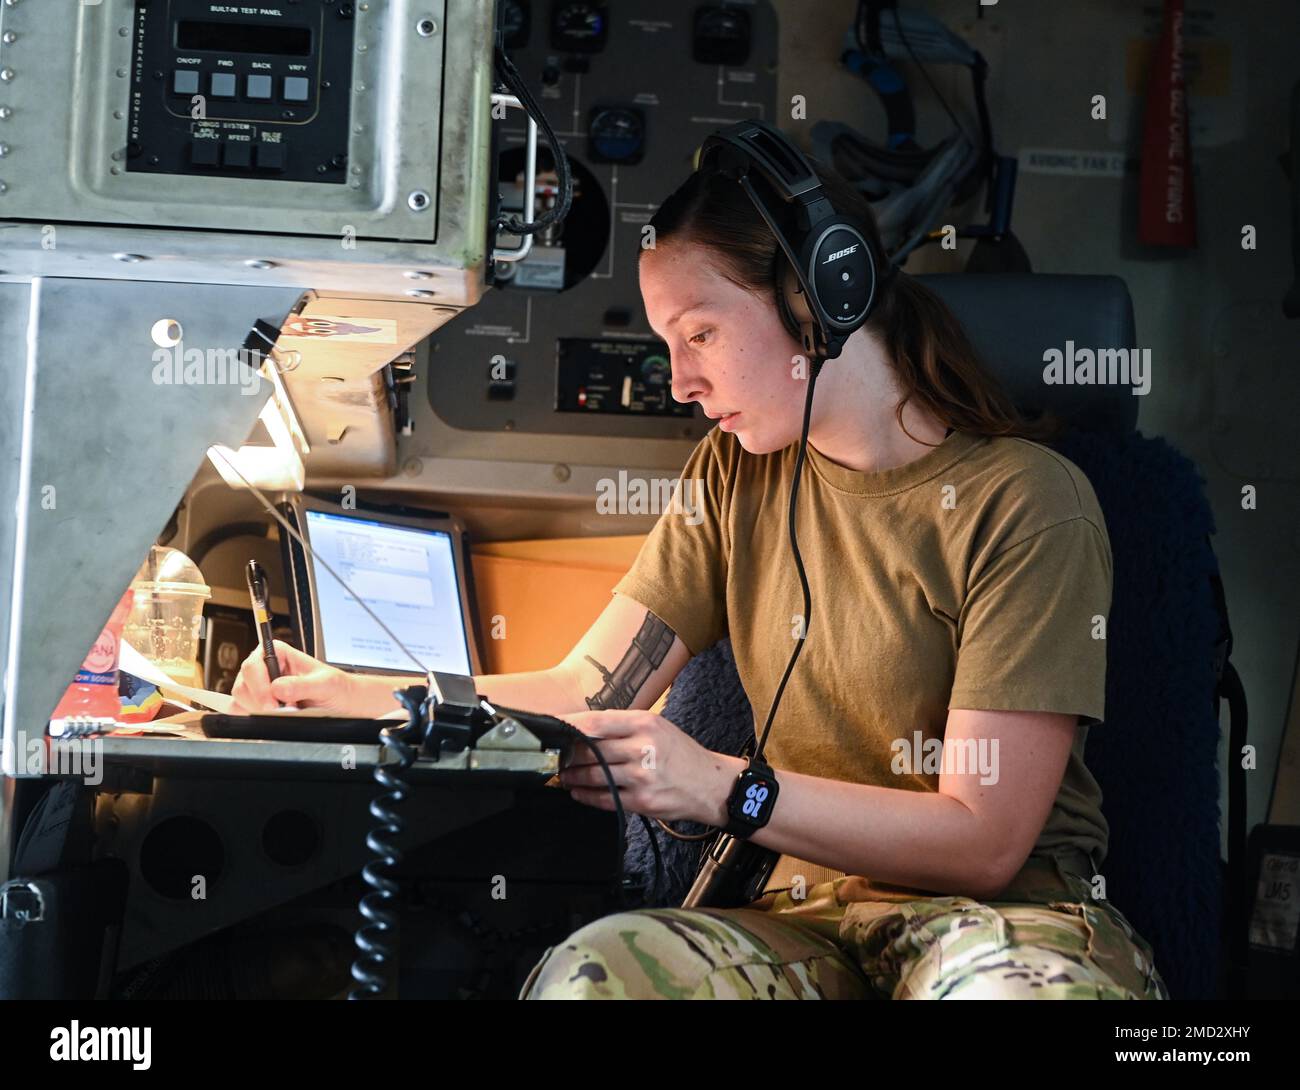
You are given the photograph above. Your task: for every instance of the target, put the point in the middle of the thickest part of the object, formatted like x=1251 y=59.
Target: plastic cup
x=167 y=616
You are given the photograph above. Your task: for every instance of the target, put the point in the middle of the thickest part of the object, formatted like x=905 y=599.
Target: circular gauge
x=722 y=36
x=514 y=23
x=655 y=370
x=579 y=27
x=616 y=134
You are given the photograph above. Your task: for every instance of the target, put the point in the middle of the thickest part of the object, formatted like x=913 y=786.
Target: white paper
x=130 y=660
x=133 y=662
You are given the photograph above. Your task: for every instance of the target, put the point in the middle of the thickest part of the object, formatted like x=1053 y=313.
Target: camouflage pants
x=830 y=945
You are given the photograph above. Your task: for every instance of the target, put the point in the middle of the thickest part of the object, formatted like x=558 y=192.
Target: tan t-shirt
x=977 y=576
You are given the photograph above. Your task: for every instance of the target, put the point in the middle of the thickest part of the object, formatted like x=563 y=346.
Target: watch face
x=755 y=801
x=752 y=799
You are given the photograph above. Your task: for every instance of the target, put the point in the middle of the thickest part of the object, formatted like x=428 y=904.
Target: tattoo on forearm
x=648 y=650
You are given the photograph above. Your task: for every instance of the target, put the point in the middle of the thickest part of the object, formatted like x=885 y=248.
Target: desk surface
x=317 y=760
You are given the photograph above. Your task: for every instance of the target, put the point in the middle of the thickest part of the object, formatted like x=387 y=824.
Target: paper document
x=130 y=660
x=133 y=662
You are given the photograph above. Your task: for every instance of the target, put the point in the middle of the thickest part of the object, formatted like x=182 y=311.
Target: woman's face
x=729 y=349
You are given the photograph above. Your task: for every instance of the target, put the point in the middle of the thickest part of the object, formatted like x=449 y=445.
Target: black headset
x=826 y=280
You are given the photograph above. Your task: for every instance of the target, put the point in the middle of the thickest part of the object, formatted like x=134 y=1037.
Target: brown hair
x=934 y=360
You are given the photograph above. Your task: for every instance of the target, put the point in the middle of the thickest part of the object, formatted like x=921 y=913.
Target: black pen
x=260 y=591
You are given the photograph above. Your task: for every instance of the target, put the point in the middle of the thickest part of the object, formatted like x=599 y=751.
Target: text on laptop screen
x=406 y=575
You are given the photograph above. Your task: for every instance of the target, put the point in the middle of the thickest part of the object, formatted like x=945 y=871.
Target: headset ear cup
x=792 y=302
x=778 y=296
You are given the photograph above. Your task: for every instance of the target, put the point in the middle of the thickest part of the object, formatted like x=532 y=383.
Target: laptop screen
x=406 y=575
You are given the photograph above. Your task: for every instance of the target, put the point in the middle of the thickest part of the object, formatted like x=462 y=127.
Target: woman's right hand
x=303 y=681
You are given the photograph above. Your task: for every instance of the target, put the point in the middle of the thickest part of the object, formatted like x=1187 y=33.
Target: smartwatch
x=749 y=806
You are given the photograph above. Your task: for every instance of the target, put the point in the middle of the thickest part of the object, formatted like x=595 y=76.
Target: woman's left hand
x=660 y=771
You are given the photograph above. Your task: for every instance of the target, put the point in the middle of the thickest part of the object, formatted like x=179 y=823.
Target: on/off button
x=297 y=88
x=185 y=81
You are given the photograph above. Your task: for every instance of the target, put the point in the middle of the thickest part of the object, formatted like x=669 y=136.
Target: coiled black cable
x=373 y=938
x=404 y=740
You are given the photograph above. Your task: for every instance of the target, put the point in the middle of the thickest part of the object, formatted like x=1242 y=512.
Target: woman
x=938 y=830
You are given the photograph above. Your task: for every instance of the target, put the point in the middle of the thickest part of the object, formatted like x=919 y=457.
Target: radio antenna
x=284 y=523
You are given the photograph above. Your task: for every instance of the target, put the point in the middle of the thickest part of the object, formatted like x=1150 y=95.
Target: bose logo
x=840 y=253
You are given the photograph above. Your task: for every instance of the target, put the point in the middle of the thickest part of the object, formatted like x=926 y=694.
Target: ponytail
x=938 y=367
